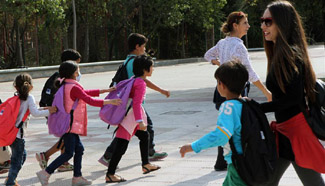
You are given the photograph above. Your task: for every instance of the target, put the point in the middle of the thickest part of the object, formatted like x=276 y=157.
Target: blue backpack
x=114 y=114
x=60 y=122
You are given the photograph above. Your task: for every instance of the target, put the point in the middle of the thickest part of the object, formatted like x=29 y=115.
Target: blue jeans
x=72 y=148
x=18 y=158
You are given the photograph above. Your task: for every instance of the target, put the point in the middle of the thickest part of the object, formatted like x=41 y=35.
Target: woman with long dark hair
x=291 y=79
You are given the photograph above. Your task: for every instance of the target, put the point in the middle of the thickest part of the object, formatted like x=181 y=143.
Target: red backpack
x=8 y=114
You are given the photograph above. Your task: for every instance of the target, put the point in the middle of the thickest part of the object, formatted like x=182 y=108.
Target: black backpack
x=316 y=116
x=49 y=91
x=121 y=73
x=257 y=163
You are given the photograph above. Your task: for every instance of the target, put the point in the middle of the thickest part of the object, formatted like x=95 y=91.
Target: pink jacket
x=73 y=90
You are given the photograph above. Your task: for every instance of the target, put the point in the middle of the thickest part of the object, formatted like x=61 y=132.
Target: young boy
x=137 y=47
x=48 y=93
x=231 y=77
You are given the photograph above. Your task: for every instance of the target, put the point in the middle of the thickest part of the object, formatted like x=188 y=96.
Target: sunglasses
x=268 y=21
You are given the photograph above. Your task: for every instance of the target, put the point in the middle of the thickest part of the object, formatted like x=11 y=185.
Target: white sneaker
x=78 y=181
x=43 y=177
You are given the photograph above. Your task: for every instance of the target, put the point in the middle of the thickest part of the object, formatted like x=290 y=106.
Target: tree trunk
x=85 y=56
x=36 y=42
x=74 y=25
x=140 y=17
x=183 y=41
x=19 y=57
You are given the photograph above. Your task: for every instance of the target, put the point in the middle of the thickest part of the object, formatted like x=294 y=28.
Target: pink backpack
x=60 y=122
x=113 y=114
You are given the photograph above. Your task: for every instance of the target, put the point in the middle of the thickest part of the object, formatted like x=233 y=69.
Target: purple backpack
x=60 y=122
x=113 y=114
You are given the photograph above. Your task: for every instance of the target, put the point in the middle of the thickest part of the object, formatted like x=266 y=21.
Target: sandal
x=146 y=170
x=110 y=180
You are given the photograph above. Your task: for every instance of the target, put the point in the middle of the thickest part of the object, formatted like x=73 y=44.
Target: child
x=23 y=85
x=142 y=67
x=137 y=46
x=48 y=93
x=73 y=147
x=231 y=78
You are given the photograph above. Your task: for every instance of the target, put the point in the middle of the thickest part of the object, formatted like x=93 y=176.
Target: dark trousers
x=121 y=147
x=308 y=177
x=18 y=158
x=110 y=149
x=72 y=148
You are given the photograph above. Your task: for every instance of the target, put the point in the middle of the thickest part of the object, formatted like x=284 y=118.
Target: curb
x=85 y=68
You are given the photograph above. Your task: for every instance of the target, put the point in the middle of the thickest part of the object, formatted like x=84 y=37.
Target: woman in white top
x=233 y=48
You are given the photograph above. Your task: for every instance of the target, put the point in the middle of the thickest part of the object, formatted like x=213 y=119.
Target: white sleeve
x=212 y=53
x=33 y=108
x=241 y=54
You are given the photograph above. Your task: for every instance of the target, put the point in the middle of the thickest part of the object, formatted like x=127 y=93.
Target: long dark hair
x=22 y=83
x=289 y=46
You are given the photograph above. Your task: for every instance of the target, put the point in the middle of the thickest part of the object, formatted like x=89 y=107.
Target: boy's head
x=70 y=54
x=233 y=75
x=136 y=40
x=141 y=65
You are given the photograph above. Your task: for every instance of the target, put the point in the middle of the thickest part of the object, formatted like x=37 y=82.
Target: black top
x=285 y=105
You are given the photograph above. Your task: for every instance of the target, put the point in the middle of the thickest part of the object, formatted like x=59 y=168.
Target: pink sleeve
x=93 y=92
x=78 y=92
x=139 y=89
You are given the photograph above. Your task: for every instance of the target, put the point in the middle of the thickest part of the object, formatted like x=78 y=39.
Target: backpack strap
x=132 y=57
x=20 y=126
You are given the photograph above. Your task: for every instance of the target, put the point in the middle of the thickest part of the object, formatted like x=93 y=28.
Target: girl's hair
x=289 y=46
x=233 y=17
x=23 y=83
x=66 y=70
x=233 y=75
x=141 y=63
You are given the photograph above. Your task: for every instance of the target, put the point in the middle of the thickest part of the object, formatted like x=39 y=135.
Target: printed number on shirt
x=227 y=108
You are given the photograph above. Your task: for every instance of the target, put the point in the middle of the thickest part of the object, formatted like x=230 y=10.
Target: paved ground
x=184 y=117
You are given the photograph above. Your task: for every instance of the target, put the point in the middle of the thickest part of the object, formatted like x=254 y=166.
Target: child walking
x=73 y=147
x=23 y=85
x=142 y=68
x=232 y=77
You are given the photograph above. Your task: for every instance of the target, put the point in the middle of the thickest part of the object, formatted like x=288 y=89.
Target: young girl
x=230 y=48
x=23 y=85
x=73 y=147
x=142 y=67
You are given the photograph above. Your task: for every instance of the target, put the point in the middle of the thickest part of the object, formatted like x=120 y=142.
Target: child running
x=23 y=85
x=142 y=68
x=73 y=147
x=231 y=77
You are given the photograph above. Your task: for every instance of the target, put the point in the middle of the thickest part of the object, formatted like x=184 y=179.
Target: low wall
x=85 y=68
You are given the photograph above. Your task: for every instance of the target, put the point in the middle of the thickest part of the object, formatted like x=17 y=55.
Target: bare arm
x=265 y=91
x=156 y=88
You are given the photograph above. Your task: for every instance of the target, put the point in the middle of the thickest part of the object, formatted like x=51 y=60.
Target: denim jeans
x=72 y=148
x=18 y=158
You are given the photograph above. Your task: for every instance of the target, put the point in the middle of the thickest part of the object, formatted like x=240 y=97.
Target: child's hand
x=165 y=92
x=185 y=149
x=112 y=101
x=52 y=109
x=107 y=90
x=142 y=126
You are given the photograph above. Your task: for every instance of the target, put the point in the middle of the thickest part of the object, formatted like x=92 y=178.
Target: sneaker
x=158 y=156
x=104 y=161
x=65 y=167
x=78 y=181
x=40 y=157
x=43 y=177
x=16 y=183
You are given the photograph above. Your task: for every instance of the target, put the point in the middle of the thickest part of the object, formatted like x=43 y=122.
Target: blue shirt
x=228 y=125
x=129 y=66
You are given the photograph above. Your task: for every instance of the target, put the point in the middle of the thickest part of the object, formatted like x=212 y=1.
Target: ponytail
x=23 y=84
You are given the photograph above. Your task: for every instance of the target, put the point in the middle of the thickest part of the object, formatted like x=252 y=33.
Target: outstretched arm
x=156 y=88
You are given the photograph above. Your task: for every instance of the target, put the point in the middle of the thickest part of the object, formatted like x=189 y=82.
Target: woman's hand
x=185 y=149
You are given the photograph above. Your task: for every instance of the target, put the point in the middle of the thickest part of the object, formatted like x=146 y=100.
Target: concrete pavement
x=184 y=117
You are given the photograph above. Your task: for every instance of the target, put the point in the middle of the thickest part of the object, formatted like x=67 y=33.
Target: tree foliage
x=34 y=32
